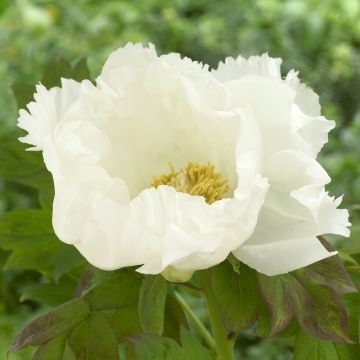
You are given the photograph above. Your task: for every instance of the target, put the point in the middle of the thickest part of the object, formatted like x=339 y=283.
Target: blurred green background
x=321 y=39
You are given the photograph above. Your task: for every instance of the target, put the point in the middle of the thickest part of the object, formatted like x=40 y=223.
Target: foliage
x=92 y=314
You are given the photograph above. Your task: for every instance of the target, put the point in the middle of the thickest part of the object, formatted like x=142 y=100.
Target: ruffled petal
x=125 y=65
x=312 y=130
x=324 y=209
x=306 y=98
x=261 y=65
x=47 y=109
x=194 y=235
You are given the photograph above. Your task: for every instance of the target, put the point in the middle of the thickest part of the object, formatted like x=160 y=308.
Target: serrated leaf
x=24 y=93
x=119 y=289
x=152 y=299
x=56 y=69
x=94 y=339
x=311 y=348
x=237 y=295
x=80 y=71
x=51 y=325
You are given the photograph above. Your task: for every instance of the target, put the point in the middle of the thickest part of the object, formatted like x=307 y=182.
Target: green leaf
x=119 y=289
x=23 y=167
x=80 y=70
x=237 y=295
x=52 y=350
x=126 y=322
x=321 y=312
x=74 y=260
x=151 y=347
x=347 y=258
x=352 y=246
x=94 y=339
x=69 y=353
x=46 y=198
x=352 y=302
x=52 y=294
x=86 y=281
x=193 y=348
x=276 y=291
x=51 y=325
x=175 y=318
x=264 y=325
x=60 y=68
x=56 y=69
x=24 y=93
x=310 y=348
x=152 y=299
x=29 y=234
x=330 y=272
x=318 y=309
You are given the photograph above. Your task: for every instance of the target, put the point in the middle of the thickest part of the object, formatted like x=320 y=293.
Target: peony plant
x=172 y=180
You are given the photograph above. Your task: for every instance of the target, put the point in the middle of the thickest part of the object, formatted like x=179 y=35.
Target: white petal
x=124 y=65
x=306 y=98
x=292 y=169
x=270 y=101
x=279 y=257
x=193 y=235
x=328 y=219
x=47 y=109
x=262 y=65
x=281 y=242
x=313 y=130
x=114 y=238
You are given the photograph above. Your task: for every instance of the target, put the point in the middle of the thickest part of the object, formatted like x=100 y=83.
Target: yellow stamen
x=195 y=179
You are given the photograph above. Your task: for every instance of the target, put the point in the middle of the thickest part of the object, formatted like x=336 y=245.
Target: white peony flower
x=168 y=165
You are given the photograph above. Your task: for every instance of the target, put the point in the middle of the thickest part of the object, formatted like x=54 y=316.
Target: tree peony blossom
x=168 y=165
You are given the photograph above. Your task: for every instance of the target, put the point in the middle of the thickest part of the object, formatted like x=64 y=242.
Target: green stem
x=224 y=345
x=197 y=322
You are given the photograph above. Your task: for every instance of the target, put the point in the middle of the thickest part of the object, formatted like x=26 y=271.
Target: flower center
x=195 y=179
